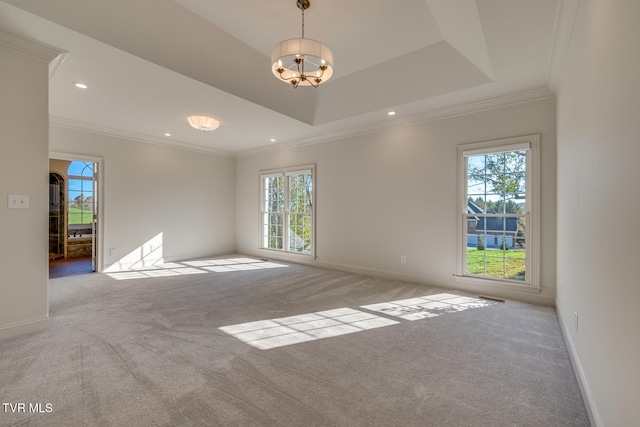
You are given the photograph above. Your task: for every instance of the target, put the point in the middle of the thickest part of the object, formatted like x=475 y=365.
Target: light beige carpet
x=243 y=342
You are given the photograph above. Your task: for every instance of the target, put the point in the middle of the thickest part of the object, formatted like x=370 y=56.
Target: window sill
x=497 y=284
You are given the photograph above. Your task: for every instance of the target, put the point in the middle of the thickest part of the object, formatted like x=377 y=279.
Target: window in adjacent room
x=287 y=209
x=498 y=228
x=81 y=193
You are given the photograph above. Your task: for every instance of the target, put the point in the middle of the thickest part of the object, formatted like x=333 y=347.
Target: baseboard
x=580 y=376
x=393 y=275
x=23 y=328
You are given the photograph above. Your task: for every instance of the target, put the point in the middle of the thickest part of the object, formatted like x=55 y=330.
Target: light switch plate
x=18 y=201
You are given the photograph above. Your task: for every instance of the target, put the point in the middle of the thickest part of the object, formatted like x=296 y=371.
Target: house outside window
x=287 y=213
x=498 y=199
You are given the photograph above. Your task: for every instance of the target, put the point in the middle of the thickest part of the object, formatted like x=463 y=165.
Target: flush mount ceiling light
x=203 y=122
x=302 y=62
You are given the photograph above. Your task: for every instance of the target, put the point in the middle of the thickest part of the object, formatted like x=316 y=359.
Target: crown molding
x=30 y=48
x=472 y=107
x=101 y=130
x=529 y=95
x=514 y=98
x=56 y=63
x=566 y=16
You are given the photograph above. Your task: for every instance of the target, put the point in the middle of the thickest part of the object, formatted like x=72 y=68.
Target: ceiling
x=149 y=64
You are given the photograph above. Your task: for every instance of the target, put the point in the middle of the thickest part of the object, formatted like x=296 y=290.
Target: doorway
x=73 y=217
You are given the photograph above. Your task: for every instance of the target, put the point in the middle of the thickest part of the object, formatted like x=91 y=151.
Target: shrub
x=520 y=238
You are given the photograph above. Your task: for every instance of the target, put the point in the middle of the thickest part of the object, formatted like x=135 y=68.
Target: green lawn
x=79 y=216
x=509 y=264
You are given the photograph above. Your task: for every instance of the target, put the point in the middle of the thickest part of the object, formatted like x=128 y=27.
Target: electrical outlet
x=403 y=259
x=575 y=320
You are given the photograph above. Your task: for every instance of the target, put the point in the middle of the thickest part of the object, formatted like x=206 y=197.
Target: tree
x=300 y=208
x=78 y=202
x=503 y=174
x=275 y=201
x=299 y=191
x=499 y=180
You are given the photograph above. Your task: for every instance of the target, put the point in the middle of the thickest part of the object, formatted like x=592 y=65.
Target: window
x=498 y=235
x=287 y=210
x=81 y=192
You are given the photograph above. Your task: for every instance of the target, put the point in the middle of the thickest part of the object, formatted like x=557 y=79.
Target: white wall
x=384 y=195
x=186 y=198
x=24 y=168
x=598 y=207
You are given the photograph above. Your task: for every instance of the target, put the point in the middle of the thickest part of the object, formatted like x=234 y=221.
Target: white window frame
x=286 y=172
x=532 y=206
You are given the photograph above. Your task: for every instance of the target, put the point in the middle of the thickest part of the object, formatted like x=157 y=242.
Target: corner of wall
x=577 y=368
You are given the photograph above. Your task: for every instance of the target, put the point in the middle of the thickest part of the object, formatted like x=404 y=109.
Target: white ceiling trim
x=170 y=143
x=565 y=22
x=54 y=65
x=535 y=94
x=33 y=49
x=515 y=98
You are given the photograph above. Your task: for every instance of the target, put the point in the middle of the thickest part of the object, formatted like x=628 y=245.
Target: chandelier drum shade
x=302 y=62
x=203 y=123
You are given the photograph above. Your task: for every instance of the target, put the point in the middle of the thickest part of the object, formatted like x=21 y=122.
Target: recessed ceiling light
x=167 y=134
x=391 y=113
x=272 y=140
x=80 y=85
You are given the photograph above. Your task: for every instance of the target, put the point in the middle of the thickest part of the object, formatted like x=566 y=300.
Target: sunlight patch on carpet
x=195 y=267
x=428 y=306
x=267 y=334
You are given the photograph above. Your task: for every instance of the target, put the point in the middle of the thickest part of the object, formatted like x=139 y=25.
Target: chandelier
x=302 y=62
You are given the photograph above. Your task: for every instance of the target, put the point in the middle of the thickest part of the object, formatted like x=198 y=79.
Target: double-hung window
x=498 y=207
x=287 y=209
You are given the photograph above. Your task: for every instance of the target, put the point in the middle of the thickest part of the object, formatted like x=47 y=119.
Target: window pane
x=273 y=230
x=495 y=234
x=515 y=266
x=476 y=262
x=78 y=168
x=300 y=207
x=300 y=232
x=273 y=221
x=274 y=194
x=80 y=204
